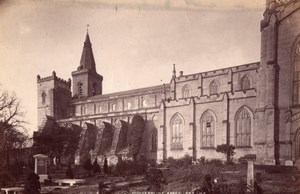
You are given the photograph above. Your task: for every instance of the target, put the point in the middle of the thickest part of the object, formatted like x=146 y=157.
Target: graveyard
x=174 y=175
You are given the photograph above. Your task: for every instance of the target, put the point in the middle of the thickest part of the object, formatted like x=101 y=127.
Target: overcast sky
x=135 y=42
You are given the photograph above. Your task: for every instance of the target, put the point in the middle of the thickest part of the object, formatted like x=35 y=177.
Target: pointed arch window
x=245 y=83
x=114 y=107
x=186 y=91
x=177 y=132
x=296 y=75
x=84 y=110
x=79 y=89
x=208 y=123
x=95 y=108
x=154 y=140
x=145 y=103
x=128 y=105
x=43 y=98
x=243 y=128
x=213 y=87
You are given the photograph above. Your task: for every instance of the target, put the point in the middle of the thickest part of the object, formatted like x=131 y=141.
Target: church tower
x=54 y=95
x=86 y=81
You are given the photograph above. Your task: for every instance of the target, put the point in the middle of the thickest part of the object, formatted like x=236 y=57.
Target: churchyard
x=181 y=175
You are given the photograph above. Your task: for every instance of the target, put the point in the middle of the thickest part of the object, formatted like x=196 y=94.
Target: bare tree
x=12 y=131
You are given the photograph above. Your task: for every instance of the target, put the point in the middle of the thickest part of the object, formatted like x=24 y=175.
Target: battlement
x=217 y=72
x=55 y=78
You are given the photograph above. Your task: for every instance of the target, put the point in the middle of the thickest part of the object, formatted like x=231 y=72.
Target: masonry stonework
x=254 y=107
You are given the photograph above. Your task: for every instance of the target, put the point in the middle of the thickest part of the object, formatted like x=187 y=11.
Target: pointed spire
x=174 y=71
x=87 y=60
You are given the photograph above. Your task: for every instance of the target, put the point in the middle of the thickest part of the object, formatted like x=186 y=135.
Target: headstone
x=250 y=173
x=250 y=158
x=289 y=163
x=40 y=166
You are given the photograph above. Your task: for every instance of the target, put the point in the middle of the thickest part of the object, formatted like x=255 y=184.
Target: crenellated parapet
x=55 y=78
x=224 y=71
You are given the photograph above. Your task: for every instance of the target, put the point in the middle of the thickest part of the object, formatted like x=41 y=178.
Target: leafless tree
x=12 y=130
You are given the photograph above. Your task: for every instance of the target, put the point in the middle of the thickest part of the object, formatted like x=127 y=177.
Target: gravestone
x=40 y=166
x=250 y=158
x=289 y=163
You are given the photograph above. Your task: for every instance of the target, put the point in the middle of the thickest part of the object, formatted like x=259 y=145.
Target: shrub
x=69 y=172
x=154 y=179
x=131 y=167
x=32 y=185
x=233 y=188
x=88 y=166
x=202 y=159
x=105 y=166
x=215 y=162
x=96 y=167
x=6 y=180
x=228 y=150
x=180 y=163
x=193 y=175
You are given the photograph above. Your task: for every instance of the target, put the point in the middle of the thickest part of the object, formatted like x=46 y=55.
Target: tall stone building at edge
x=255 y=107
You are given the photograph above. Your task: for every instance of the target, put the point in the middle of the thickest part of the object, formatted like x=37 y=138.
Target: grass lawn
x=182 y=176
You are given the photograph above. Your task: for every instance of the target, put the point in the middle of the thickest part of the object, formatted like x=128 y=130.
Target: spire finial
x=87 y=28
x=174 y=71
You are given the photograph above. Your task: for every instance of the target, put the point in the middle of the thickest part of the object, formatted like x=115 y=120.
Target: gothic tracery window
x=213 y=87
x=208 y=124
x=243 y=128
x=296 y=75
x=186 y=93
x=177 y=132
x=245 y=83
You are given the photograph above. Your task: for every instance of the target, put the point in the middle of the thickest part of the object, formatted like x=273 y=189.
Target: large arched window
x=186 y=91
x=43 y=98
x=79 y=89
x=177 y=124
x=213 y=87
x=296 y=74
x=245 y=83
x=208 y=123
x=243 y=127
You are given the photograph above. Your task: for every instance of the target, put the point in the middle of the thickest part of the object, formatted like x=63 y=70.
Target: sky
x=135 y=42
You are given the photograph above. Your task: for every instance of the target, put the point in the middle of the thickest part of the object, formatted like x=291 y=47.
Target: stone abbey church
x=255 y=107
